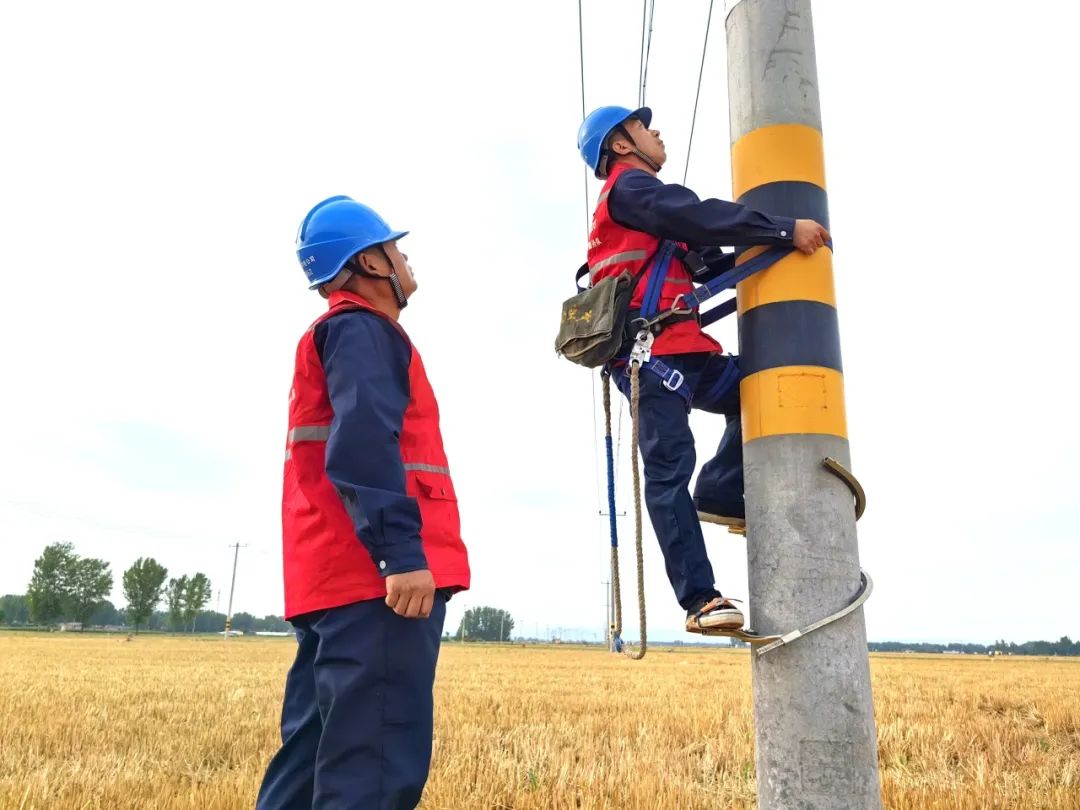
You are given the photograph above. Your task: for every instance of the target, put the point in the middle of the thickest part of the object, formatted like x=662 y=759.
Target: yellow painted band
x=793 y=399
x=797 y=277
x=791 y=152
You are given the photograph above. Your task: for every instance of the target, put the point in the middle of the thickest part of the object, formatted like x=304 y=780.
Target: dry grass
x=97 y=722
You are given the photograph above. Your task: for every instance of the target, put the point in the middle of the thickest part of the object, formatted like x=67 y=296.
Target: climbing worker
x=371 y=535
x=636 y=216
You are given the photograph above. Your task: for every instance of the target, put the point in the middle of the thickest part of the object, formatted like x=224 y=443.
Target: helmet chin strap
x=395 y=282
x=393 y=279
x=648 y=161
x=637 y=151
x=336 y=283
x=399 y=294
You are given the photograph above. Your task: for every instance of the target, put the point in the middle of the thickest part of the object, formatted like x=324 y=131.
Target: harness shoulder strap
x=650 y=304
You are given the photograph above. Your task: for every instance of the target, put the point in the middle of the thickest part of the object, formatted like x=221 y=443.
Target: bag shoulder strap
x=583 y=271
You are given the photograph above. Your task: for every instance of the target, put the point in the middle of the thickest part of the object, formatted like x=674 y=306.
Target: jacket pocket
x=436 y=486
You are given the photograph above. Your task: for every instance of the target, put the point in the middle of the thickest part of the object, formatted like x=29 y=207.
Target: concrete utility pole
x=232 y=587
x=816 y=738
x=609 y=627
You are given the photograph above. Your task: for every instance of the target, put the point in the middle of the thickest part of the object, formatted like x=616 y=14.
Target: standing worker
x=371 y=536
x=635 y=215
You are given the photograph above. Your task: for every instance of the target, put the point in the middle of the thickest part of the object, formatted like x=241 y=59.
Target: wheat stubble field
x=159 y=722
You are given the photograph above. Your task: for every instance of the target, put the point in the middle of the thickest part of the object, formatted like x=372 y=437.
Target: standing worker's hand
x=411 y=594
x=809 y=236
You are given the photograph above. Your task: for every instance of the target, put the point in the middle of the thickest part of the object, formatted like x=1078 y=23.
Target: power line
x=596 y=443
x=697 y=96
x=581 y=54
x=641 y=54
x=588 y=228
x=643 y=69
x=581 y=62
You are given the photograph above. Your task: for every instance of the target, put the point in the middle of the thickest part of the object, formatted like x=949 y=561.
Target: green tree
x=143 y=584
x=89 y=582
x=16 y=608
x=274 y=624
x=209 y=621
x=244 y=622
x=50 y=586
x=175 y=593
x=196 y=595
x=106 y=613
x=486 y=624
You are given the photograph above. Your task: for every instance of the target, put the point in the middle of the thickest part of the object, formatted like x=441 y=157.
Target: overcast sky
x=158 y=159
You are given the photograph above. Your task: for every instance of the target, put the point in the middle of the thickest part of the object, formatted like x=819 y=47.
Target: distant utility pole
x=609 y=589
x=228 y=618
x=607 y=615
x=813 y=710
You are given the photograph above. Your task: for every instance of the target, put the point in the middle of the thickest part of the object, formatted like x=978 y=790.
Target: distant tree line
x=485 y=624
x=1063 y=646
x=65 y=587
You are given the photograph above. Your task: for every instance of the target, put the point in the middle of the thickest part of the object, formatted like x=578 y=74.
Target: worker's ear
x=620 y=145
x=372 y=261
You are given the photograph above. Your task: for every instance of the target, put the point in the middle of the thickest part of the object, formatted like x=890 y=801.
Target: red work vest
x=614 y=249
x=325 y=564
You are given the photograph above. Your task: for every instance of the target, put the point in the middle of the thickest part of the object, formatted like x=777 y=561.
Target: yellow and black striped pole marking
x=813 y=709
x=788 y=333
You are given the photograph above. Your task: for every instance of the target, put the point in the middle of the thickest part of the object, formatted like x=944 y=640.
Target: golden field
x=99 y=722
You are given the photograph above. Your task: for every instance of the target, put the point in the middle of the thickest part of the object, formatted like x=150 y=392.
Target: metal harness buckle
x=676 y=309
x=674 y=381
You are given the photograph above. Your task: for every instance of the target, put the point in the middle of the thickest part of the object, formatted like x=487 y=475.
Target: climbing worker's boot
x=724 y=515
x=715 y=615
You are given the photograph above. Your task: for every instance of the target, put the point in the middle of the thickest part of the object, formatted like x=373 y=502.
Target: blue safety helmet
x=333 y=232
x=596 y=127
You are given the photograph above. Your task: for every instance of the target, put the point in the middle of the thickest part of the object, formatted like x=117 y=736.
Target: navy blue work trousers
x=356 y=724
x=668 y=458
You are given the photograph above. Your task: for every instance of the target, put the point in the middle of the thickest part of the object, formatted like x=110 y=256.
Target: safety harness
x=646 y=324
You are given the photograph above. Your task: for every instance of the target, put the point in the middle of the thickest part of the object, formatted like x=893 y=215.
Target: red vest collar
x=340 y=298
x=343 y=299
